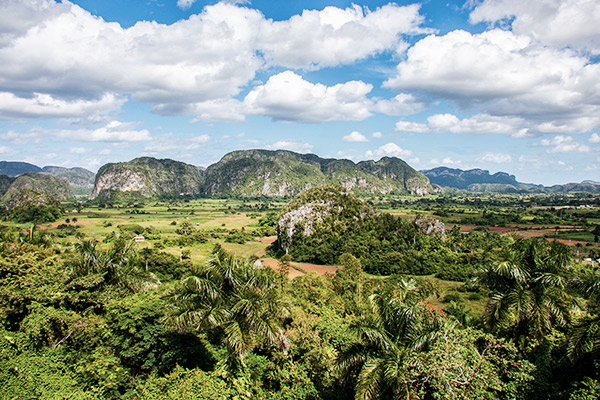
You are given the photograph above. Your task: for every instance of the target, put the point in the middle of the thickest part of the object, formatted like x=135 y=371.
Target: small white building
x=139 y=238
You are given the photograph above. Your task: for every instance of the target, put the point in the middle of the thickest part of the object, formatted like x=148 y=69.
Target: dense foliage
x=102 y=319
x=323 y=223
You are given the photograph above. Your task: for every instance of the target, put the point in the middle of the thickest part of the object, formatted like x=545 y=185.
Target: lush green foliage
x=103 y=317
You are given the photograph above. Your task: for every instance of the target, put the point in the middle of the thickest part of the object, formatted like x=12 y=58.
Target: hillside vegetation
x=147 y=177
x=86 y=312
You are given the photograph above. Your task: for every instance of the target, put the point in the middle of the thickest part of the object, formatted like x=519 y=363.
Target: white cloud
x=446 y=162
x=355 y=137
x=291 y=145
x=46 y=106
x=496 y=158
x=478 y=124
x=595 y=138
x=564 y=144
x=5 y=150
x=388 y=150
x=78 y=150
x=413 y=127
x=571 y=23
x=58 y=60
x=288 y=97
x=335 y=36
x=78 y=55
x=475 y=68
x=377 y=135
x=201 y=139
x=510 y=76
x=114 y=131
x=33 y=136
x=185 y=4
x=170 y=142
x=402 y=104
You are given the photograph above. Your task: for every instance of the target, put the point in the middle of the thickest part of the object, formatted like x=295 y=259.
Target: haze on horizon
x=502 y=85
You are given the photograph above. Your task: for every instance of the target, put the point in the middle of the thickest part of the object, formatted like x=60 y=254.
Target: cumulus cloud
x=335 y=36
x=388 y=150
x=446 y=162
x=595 y=138
x=75 y=63
x=571 y=23
x=288 y=97
x=78 y=55
x=114 y=131
x=475 y=68
x=402 y=104
x=478 y=124
x=33 y=136
x=41 y=105
x=564 y=144
x=185 y=4
x=355 y=137
x=169 y=142
x=377 y=135
x=496 y=158
x=412 y=127
x=78 y=150
x=5 y=150
x=291 y=145
x=509 y=75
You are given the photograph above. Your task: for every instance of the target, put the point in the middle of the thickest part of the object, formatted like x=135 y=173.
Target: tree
x=529 y=290
x=397 y=326
x=234 y=299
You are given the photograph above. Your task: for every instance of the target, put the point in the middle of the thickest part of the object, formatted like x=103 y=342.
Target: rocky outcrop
x=44 y=185
x=148 y=177
x=281 y=173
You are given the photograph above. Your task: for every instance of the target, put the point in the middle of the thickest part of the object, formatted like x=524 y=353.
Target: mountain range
x=263 y=173
x=77 y=177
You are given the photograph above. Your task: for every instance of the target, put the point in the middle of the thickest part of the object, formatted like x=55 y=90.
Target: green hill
x=147 y=177
x=77 y=177
x=282 y=173
x=45 y=185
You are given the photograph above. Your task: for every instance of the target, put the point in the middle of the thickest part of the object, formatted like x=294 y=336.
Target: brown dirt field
x=501 y=228
x=566 y=241
x=535 y=233
x=274 y=264
x=318 y=269
x=82 y=222
x=267 y=239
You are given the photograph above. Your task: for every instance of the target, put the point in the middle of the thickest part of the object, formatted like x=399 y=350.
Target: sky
x=502 y=85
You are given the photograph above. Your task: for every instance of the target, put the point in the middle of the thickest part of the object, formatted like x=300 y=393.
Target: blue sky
x=503 y=85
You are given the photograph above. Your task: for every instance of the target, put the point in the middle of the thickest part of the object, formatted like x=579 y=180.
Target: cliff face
x=148 y=177
x=255 y=173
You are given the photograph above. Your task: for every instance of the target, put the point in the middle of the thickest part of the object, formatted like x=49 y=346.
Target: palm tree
x=232 y=297
x=530 y=296
x=584 y=335
x=117 y=265
x=398 y=326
